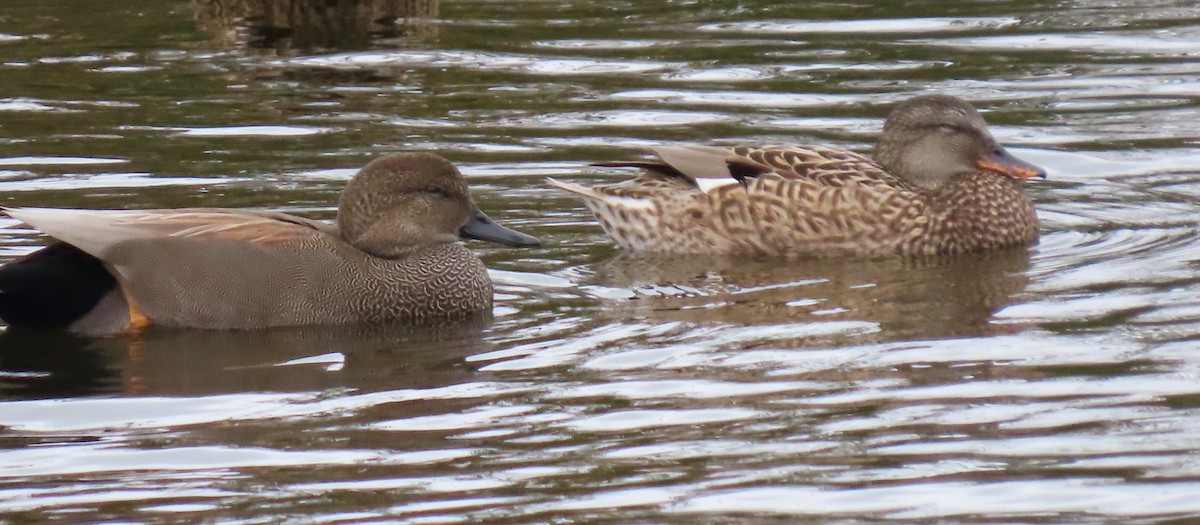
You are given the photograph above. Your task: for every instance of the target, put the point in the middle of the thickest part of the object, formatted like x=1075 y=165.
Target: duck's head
x=930 y=138
x=400 y=202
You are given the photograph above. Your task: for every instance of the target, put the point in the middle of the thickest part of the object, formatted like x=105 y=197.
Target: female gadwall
x=391 y=257
x=939 y=185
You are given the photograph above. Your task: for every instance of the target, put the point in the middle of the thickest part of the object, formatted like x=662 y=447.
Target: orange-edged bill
x=1000 y=161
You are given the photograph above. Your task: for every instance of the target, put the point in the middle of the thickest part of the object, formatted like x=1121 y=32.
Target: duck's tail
x=595 y=197
x=52 y=287
x=577 y=189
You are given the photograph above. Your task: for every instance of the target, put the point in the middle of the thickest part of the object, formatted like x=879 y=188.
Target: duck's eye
x=436 y=190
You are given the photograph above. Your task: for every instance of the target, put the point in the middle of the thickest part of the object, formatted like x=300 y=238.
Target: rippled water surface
x=1061 y=383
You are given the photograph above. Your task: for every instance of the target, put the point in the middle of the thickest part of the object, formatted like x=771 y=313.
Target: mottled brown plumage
x=393 y=256
x=939 y=185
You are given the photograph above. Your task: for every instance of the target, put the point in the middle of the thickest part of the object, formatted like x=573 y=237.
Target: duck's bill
x=483 y=228
x=1001 y=161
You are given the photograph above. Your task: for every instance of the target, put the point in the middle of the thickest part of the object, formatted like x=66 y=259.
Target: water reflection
x=900 y=297
x=314 y=24
x=36 y=364
x=163 y=361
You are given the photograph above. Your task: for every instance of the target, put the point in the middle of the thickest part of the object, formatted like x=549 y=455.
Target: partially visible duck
x=939 y=184
x=392 y=256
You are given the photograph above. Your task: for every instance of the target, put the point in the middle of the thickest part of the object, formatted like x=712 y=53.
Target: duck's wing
x=708 y=167
x=98 y=231
x=705 y=167
x=823 y=165
x=683 y=168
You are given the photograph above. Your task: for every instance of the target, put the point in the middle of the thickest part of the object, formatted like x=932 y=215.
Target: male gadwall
x=939 y=185
x=392 y=256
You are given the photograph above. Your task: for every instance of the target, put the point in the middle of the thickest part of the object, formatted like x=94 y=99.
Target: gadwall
x=938 y=185
x=392 y=256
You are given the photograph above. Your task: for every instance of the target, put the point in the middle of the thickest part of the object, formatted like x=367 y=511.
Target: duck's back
x=822 y=165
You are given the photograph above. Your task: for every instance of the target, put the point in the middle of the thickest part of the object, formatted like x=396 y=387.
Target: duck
x=937 y=184
x=392 y=255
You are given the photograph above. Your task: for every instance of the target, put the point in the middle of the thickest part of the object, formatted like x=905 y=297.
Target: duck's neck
x=984 y=211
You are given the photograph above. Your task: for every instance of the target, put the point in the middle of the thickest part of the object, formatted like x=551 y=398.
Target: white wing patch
x=708 y=185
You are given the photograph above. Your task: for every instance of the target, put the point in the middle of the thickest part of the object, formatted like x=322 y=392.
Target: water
x=1053 y=384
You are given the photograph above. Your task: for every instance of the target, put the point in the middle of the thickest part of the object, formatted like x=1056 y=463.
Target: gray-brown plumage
x=938 y=185
x=392 y=256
